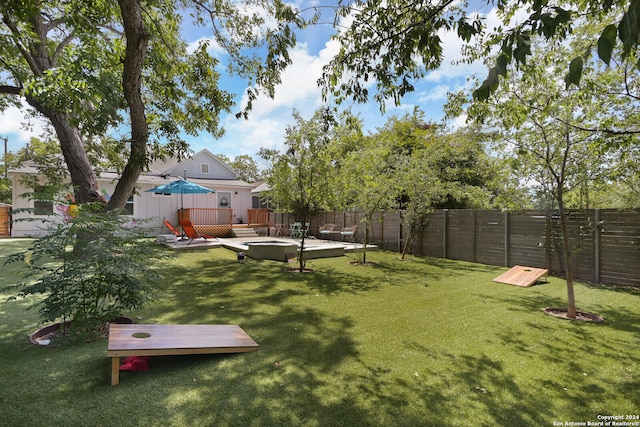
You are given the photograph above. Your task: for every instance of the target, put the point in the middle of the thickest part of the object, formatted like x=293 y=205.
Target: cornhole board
x=159 y=340
x=521 y=276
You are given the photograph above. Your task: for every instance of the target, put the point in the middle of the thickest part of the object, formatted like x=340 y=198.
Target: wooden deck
x=521 y=276
x=158 y=340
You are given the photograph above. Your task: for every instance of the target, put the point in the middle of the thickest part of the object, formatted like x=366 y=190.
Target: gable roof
x=202 y=165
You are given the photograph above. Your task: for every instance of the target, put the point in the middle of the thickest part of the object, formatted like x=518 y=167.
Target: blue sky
x=269 y=118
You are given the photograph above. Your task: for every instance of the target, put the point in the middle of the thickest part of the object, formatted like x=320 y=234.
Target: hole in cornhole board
x=141 y=335
x=519 y=275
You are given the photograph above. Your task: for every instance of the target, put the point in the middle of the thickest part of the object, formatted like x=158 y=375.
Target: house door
x=224 y=200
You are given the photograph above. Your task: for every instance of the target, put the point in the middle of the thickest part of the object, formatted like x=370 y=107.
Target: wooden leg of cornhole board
x=115 y=370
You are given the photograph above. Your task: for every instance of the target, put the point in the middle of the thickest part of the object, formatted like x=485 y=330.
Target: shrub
x=90 y=267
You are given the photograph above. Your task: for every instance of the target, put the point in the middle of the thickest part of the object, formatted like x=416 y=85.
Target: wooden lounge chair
x=191 y=233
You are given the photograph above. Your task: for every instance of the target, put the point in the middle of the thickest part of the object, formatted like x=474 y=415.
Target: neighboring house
x=258 y=199
x=202 y=168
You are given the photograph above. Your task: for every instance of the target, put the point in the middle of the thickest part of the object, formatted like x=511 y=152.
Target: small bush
x=90 y=267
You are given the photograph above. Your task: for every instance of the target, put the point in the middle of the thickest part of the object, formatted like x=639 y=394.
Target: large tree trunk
x=83 y=179
x=137 y=42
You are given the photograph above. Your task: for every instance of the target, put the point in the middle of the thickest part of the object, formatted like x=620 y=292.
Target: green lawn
x=420 y=342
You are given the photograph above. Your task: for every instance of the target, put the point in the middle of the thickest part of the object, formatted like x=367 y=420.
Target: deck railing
x=258 y=217
x=207 y=216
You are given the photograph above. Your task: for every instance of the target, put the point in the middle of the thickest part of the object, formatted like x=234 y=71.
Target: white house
x=202 y=168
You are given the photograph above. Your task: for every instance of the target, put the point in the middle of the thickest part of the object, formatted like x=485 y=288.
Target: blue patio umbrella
x=181 y=186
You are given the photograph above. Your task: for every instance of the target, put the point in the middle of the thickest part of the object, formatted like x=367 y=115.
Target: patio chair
x=349 y=231
x=327 y=229
x=191 y=233
x=296 y=230
x=172 y=229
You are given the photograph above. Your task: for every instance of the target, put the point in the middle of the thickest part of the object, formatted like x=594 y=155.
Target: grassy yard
x=420 y=342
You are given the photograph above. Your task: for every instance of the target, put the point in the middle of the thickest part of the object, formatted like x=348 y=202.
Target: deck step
x=244 y=232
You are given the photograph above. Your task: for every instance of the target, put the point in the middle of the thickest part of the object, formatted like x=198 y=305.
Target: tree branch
x=10 y=90
x=64 y=43
x=25 y=53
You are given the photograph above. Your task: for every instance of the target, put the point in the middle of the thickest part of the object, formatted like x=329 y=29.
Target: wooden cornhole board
x=159 y=340
x=521 y=276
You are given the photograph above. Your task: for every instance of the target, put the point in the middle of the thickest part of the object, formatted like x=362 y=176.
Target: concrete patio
x=260 y=246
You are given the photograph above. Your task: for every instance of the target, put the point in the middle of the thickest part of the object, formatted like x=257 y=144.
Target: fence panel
x=620 y=247
x=390 y=232
x=582 y=233
x=527 y=239
x=608 y=252
x=461 y=242
x=490 y=226
x=431 y=242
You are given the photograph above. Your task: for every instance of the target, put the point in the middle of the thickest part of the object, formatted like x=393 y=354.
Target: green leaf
x=575 y=72
x=482 y=93
x=493 y=80
x=606 y=43
x=628 y=29
x=501 y=64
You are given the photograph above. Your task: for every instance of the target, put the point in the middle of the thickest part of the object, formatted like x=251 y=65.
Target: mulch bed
x=56 y=333
x=580 y=315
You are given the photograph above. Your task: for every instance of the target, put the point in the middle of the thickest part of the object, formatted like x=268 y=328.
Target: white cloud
x=451 y=67
x=460 y=121
x=19 y=126
x=437 y=93
x=298 y=88
x=214 y=49
x=269 y=118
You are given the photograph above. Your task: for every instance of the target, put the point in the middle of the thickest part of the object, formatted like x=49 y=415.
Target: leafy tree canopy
x=83 y=66
x=245 y=166
x=393 y=43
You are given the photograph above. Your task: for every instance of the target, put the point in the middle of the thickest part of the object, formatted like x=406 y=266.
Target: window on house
x=204 y=168
x=128 y=207
x=42 y=206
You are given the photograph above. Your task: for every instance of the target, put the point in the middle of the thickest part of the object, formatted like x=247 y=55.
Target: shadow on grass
x=581 y=357
x=498 y=360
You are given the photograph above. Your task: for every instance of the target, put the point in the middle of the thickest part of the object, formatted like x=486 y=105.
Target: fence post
x=473 y=238
x=596 y=246
x=445 y=226
x=380 y=242
x=506 y=238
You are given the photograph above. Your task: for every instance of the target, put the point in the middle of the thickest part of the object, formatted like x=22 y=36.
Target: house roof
x=156 y=180
x=163 y=171
x=193 y=167
x=260 y=187
x=159 y=167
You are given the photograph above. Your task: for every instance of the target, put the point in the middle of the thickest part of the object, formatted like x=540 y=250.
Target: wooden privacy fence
x=5 y=220
x=258 y=217
x=605 y=242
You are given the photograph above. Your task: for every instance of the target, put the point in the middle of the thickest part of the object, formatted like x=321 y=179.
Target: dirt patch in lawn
x=580 y=315
x=297 y=270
